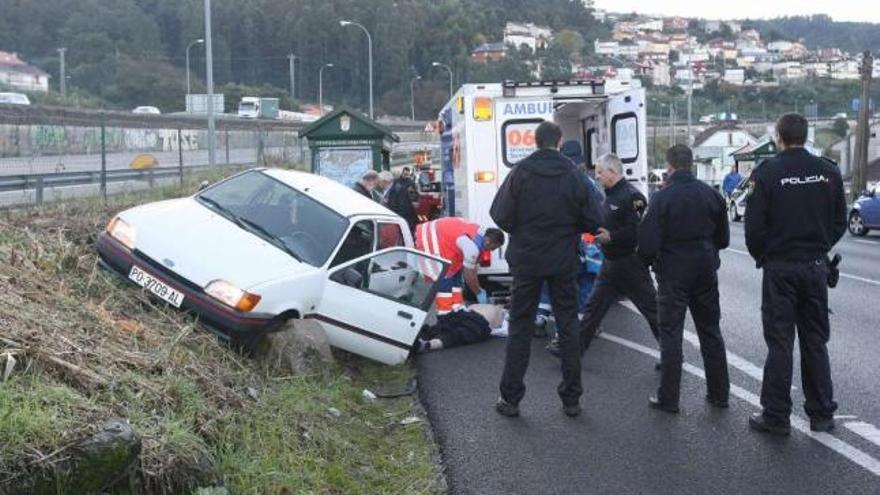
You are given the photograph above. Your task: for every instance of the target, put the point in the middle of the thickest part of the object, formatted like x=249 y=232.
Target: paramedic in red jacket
x=460 y=242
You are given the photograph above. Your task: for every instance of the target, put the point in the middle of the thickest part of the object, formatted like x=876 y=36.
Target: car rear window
x=308 y=228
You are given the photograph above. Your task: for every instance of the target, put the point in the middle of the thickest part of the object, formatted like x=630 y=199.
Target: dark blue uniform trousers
x=795 y=297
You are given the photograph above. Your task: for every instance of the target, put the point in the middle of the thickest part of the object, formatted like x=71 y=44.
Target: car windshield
x=277 y=212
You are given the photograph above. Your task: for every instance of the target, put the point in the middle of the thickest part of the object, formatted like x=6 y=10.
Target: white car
x=14 y=99
x=266 y=246
x=149 y=110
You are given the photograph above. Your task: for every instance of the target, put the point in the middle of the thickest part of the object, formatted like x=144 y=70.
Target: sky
x=839 y=10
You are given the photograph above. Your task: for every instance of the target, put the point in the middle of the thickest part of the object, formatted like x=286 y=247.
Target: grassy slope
x=192 y=400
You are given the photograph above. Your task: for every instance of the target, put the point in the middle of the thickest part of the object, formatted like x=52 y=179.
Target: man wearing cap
x=367 y=183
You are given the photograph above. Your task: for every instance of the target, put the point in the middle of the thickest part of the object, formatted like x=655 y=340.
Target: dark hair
x=548 y=135
x=680 y=157
x=496 y=235
x=407 y=169
x=792 y=129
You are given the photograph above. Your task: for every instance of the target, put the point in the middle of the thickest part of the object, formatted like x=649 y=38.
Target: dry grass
x=87 y=347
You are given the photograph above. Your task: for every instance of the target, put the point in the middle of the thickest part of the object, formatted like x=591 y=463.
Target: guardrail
x=40 y=182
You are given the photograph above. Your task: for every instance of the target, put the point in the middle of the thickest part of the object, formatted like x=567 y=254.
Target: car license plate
x=156 y=286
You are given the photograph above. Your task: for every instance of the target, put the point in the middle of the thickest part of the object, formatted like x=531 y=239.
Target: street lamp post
x=412 y=96
x=188 y=46
x=292 y=58
x=369 y=56
x=209 y=79
x=63 y=78
x=448 y=69
x=321 y=86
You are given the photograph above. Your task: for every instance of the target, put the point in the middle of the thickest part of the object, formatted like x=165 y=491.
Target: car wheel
x=857 y=225
x=732 y=214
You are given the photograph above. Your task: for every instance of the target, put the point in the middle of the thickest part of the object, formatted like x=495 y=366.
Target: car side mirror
x=349 y=276
x=204 y=185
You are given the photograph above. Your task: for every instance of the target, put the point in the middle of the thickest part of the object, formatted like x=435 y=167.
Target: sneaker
x=758 y=422
x=505 y=408
x=571 y=410
x=553 y=347
x=825 y=425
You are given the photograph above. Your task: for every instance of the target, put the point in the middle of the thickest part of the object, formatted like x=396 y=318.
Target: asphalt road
x=619 y=445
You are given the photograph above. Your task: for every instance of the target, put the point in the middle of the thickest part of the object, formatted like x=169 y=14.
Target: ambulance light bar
x=596 y=85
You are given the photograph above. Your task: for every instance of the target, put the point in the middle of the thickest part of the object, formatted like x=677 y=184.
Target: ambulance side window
x=625 y=137
x=518 y=139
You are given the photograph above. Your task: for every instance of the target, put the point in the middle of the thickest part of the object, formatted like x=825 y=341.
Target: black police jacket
x=545 y=203
x=624 y=206
x=400 y=199
x=685 y=226
x=796 y=208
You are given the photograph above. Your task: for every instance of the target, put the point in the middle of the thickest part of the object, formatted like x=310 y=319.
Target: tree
x=571 y=42
x=557 y=65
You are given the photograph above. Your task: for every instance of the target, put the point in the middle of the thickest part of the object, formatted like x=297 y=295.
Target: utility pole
x=690 y=138
x=863 y=130
x=63 y=81
x=209 y=73
x=188 y=46
x=412 y=96
x=292 y=59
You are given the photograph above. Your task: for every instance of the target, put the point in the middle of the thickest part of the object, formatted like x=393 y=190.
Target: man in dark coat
x=545 y=205
x=680 y=235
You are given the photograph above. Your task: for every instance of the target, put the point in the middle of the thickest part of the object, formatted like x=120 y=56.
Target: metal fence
x=50 y=153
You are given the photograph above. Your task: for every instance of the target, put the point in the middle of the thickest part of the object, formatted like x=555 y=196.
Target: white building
x=652 y=25
x=17 y=74
x=788 y=71
x=606 y=47
x=779 y=46
x=533 y=36
x=660 y=75
x=736 y=77
x=713 y=148
x=845 y=149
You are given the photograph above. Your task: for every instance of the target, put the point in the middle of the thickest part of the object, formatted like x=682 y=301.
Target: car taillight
x=485 y=258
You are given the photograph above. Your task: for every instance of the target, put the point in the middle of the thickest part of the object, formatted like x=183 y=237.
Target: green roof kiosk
x=345 y=144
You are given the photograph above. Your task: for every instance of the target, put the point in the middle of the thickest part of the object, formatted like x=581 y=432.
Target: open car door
x=375 y=305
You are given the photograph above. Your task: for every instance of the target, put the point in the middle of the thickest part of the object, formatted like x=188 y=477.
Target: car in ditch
x=267 y=246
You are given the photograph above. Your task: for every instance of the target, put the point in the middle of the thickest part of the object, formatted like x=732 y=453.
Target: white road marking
x=846 y=450
x=862 y=241
x=865 y=430
x=843 y=275
x=734 y=360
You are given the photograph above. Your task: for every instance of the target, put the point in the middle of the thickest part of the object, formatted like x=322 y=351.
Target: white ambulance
x=486 y=128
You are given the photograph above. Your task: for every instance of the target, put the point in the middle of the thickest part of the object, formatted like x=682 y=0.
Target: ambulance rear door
x=627 y=127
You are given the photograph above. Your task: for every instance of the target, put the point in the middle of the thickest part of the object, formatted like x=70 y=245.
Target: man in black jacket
x=622 y=273
x=401 y=196
x=544 y=204
x=681 y=234
x=795 y=214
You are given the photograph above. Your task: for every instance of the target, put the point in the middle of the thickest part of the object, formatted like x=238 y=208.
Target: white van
x=486 y=128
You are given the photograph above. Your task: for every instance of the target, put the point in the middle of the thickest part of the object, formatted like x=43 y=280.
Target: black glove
x=833 y=271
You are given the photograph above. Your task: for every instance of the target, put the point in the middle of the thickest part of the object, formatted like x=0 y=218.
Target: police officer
x=544 y=204
x=622 y=272
x=681 y=234
x=795 y=213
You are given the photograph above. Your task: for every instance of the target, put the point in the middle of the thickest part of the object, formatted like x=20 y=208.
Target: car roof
x=338 y=197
